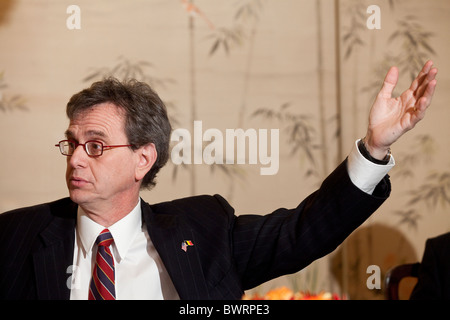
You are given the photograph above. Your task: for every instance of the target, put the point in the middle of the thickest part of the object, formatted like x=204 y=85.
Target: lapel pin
x=185 y=244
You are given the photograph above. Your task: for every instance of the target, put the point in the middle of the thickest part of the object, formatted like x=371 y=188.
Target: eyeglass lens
x=92 y=148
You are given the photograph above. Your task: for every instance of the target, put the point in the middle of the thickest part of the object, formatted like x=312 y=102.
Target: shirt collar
x=123 y=231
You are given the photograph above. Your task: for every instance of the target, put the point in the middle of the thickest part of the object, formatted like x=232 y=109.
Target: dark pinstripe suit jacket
x=434 y=270
x=230 y=253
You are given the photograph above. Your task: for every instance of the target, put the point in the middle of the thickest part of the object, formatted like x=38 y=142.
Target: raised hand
x=391 y=117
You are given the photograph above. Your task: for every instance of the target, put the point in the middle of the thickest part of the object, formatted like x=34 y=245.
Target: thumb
x=390 y=81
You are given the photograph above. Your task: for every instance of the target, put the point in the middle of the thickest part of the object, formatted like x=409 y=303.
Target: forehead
x=102 y=120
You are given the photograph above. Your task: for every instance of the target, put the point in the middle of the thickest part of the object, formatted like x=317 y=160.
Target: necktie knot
x=104 y=239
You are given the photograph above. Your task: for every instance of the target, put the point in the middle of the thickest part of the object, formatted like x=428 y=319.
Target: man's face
x=110 y=177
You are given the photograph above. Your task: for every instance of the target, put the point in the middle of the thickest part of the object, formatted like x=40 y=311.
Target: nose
x=79 y=157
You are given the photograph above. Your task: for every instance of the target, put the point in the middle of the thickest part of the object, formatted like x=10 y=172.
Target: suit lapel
x=53 y=258
x=167 y=232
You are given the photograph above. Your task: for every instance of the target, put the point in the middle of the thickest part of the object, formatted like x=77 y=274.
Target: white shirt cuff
x=365 y=174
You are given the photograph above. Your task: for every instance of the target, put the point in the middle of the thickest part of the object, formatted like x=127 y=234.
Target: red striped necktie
x=102 y=285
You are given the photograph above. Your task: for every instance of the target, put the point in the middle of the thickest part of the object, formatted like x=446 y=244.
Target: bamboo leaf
x=214 y=47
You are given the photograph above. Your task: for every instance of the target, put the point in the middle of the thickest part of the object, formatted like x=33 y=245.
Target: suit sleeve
x=287 y=240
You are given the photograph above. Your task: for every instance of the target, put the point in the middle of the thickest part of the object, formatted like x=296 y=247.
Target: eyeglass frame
x=104 y=148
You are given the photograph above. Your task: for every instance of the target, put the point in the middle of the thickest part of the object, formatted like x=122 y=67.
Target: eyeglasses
x=93 y=148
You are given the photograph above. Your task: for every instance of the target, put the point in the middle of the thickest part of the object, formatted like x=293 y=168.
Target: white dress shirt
x=364 y=173
x=140 y=273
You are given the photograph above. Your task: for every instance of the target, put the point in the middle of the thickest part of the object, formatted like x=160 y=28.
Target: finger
x=390 y=81
x=428 y=78
x=422 y=104
x=422 y=75
x=419 y=110
x=425 y=100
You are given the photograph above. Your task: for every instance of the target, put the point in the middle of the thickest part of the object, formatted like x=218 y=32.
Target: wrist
x=379 y=153
x=376 y=155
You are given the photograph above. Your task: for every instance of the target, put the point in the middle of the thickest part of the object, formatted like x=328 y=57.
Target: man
x=192 y=248
x=434 y=270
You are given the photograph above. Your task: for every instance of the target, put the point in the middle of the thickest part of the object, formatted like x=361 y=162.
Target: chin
x=79 y=197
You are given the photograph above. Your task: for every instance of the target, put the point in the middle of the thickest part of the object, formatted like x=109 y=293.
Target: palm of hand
x=391 y=117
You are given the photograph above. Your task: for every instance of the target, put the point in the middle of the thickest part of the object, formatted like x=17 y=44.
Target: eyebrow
x=68 y=134
x=90 y=133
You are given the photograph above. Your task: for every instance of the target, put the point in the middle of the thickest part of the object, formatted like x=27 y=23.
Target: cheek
x=121 y=172
x=68 y=170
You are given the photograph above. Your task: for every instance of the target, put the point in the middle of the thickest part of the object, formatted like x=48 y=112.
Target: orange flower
x=284 y=293
x=320 y=296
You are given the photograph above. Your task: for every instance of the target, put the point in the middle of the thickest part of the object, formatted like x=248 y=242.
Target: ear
x=146 y=159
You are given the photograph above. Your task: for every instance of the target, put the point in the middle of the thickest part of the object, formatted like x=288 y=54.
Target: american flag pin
x=185 y=244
